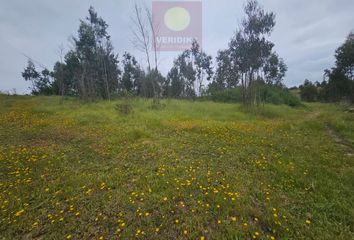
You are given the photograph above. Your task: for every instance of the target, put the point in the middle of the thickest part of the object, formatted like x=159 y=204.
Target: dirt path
x=342 y=143
x=335 y=136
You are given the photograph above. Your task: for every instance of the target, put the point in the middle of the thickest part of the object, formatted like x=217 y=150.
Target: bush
x=267 y=94
x=278 y=95
x=157 y=105
x=308 y=92
x=260 y=111
x=228 y=95
x=124 y=108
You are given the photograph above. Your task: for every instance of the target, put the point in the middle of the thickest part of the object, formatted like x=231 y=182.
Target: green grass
x=337 y=117
x=186 y=171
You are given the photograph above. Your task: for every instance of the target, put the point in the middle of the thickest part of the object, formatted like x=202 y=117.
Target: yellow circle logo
x=177 y=18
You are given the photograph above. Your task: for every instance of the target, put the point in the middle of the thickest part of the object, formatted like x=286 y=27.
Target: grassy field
x=191 y=170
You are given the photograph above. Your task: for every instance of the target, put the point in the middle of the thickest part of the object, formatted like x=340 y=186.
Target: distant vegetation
x=247 y=71
x=92 y=70
x=265 y=93
x=338 y=83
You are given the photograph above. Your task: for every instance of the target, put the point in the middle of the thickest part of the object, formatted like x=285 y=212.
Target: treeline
x=338 y=83
x=92 y=69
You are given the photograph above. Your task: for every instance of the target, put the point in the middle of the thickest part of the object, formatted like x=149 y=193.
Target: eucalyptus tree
x=90 y=68
x=41 y=81
x=190 y=69
x=274 y=70
x=31 y=74
x=340 y=79
x=253 y=48
x=144 y=39
x=227 y=73
x=131 y=78
x=202 y=64
x=249 y=59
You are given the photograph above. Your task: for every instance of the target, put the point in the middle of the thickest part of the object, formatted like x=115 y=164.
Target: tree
x=227 y=74
x=274 y=70
x=250 y=54
x=249 y=60
x=58 y=73
x=151 y=85
x=30 y=74
x=188 y=73
x=41 y=83
x=338 y=87
x=72 y=71
x=173 y=87
x=202 y=64
x=91 y=68
x=44 y=84
x=96 y=56
x=308 y=91
x=339 y=81
x=345 y=57
x=131 y=78
x=143 y=31
x=182 y=76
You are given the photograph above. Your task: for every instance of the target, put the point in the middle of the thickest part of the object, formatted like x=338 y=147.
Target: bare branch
x=154 y=32
x=141 y=33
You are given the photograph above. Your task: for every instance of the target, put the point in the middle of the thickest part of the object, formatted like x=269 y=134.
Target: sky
x=306 y=34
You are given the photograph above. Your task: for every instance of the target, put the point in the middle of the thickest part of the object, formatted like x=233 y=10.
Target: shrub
x=266 y=94
x=124 y=108
x=308 y=92
x=228 y=95
x=157 y=105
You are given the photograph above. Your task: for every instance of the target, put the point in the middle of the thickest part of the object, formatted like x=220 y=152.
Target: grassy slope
x=190 y=170
x=337 y=118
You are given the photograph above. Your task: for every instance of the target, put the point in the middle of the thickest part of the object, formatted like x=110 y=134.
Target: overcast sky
x=306 y=34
